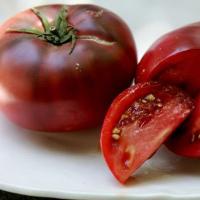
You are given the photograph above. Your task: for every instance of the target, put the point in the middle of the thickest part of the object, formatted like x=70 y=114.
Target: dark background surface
x=10 y=196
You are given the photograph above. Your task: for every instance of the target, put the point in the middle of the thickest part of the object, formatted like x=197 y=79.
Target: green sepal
x=43 y=19
x=29 y=31
x=57 y=33
x=61 y=23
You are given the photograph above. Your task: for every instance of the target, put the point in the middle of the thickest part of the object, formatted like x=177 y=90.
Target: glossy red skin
x=174 y=59
x=44 y=88
x=151 y=135
x=186 y=141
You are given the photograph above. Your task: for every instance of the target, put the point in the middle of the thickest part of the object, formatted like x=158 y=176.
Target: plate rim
x=34 y=192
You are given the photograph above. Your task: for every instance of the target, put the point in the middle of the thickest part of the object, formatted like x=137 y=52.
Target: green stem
x=57 y=33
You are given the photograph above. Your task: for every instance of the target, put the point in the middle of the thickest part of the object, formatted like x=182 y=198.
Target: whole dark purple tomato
x=61 y=66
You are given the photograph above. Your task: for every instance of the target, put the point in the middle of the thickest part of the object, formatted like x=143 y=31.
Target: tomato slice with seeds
x=186 y=140
x=139 y=120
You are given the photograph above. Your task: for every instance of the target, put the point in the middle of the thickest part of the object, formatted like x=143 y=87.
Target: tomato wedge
x=186 y=140
x=139 y=120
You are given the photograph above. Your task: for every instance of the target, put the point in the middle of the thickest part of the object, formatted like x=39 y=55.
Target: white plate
x=71 y=166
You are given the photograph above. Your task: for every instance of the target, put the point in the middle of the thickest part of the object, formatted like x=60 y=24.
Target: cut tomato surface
x=186 y=140
x=139 y=120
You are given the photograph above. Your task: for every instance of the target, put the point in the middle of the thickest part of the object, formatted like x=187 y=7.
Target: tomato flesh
x=139 y=120
x=186 y=140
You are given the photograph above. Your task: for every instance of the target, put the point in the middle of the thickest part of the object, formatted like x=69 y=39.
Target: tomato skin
x=151 y=135
x=45 y=88
x=186 y=141
x=174 y=59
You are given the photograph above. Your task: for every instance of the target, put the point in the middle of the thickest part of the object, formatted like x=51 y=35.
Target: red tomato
x=139 y=120
x=186 y=141
x=174 y=59
x=61 y=66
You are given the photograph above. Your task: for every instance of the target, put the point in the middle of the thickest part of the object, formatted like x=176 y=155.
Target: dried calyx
x=57 y=33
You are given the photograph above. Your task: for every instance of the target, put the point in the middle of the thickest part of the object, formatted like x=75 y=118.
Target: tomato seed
x=144 y=101
x=115 y=136
x=150 y=97
x=160 y=105
x=158 y=100
x=124 y=116
x=116 y=131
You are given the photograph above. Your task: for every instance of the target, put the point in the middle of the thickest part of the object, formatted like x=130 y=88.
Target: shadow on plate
x=86 y=141
x=164 y=166
x=77 y=142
